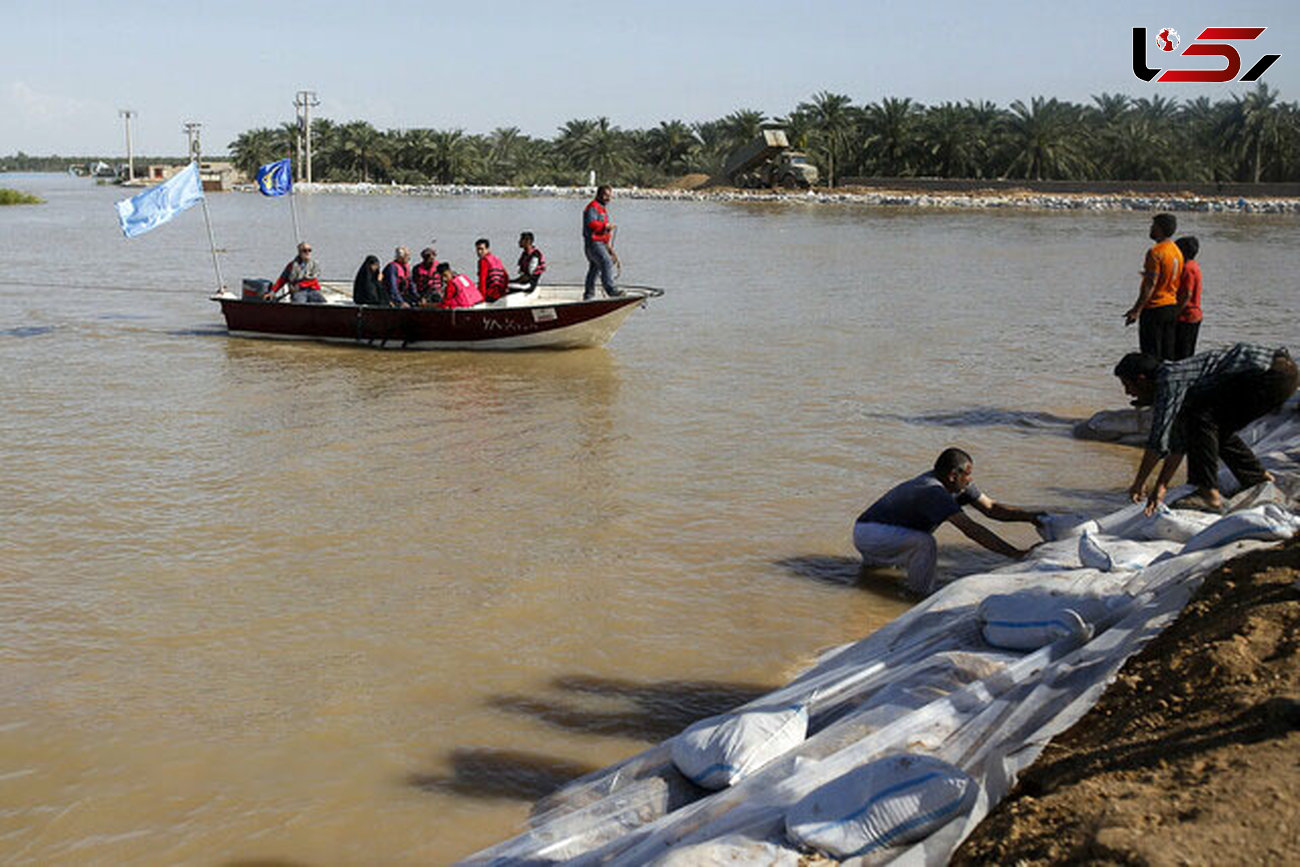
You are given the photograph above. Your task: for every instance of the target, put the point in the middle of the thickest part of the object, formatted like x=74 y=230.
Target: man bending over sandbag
x=898 y=529
x=1199 y=404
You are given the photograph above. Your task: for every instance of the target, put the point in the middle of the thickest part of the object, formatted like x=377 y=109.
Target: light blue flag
x=275 y=179
x=159 y=204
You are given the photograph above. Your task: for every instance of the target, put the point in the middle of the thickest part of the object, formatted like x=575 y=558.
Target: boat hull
x=553 y=321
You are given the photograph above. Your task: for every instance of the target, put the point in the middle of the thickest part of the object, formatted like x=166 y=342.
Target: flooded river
x=329 y=605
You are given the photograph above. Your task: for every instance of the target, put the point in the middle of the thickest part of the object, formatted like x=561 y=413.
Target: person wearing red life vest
x=598 y=244
x=493 y=278
x=302 y=276
x=425 y=281
x=458 y=289
x=397 y=279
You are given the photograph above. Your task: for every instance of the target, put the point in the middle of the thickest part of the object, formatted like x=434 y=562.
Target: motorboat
x=547 y=317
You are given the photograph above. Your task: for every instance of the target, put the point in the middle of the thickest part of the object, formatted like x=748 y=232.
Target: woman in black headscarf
x=366 y=288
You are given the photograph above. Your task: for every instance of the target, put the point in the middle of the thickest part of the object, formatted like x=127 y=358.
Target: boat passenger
x=898 y=529
x=425 y=282
x=397 y=278
x=493 y=278
x=302 y=276
x=366 y=288
x=459 y=291
x=532 y=264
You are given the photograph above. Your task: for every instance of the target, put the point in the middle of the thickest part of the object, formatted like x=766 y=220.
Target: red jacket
x=595 y=223
x=461 y=292
x=492 y=277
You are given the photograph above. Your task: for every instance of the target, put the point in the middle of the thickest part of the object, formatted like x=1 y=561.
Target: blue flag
x=275 y=179
x=159 y=204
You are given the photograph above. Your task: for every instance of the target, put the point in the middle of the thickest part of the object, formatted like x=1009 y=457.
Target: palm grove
x=1254 y=137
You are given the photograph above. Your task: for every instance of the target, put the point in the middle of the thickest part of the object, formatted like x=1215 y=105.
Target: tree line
x=1254 y=137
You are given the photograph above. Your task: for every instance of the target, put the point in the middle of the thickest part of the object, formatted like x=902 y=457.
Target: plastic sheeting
x=930 y=684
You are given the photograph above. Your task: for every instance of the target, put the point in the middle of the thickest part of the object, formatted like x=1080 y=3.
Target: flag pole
x=212 y=243
x=293 y=209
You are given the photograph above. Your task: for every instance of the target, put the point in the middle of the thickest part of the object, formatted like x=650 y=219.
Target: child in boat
x=458 y=289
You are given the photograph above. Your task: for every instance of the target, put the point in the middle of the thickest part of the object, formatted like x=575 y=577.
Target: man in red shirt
x=598 y=244
x=1188 y=324
x=493 y=278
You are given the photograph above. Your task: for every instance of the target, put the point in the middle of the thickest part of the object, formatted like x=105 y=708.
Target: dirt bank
x=1191 y=757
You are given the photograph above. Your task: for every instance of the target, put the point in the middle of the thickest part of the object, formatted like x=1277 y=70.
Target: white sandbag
x=1055 y=527
x=889 y=802
x=1109 y=554
x=1269 y=523
x=1034 y=618
x=1178 y=525
x=722 y=750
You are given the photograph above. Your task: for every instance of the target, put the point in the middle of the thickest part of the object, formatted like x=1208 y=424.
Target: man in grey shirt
x=898 y=529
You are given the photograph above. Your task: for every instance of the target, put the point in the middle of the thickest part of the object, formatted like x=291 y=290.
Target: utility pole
x=126 y=114
x=191 y=130
x=304 y=101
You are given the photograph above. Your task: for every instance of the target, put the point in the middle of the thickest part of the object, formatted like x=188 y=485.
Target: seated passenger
x=492 y=275
x=366 y=288
x=425 y=282
x=397 y=278
x=532 y=264
x=302 y=276
x=458 y=290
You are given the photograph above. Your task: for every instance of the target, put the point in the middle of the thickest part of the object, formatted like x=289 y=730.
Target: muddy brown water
x=279 y=600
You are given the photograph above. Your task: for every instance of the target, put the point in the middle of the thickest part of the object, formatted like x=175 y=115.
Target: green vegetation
x=1249 y=138
x=16 y=197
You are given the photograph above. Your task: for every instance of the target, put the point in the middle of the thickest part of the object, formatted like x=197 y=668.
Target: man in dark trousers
x=598 y=245
x=1199 y=404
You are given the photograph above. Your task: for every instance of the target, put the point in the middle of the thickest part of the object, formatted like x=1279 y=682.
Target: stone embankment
x=1010 y=199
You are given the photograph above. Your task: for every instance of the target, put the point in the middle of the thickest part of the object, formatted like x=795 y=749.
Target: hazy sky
x=67 y=66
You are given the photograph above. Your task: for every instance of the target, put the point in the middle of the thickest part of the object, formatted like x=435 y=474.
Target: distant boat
x=549 y=317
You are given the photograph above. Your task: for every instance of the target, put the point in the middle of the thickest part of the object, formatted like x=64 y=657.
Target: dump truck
x=767 y=161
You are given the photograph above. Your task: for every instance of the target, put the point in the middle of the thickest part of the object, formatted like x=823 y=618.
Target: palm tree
x=451 y=157
x=892 y=140
x=831 y=124
x=1255 y=121
x=1048 y=138
x=952 y=140
x=670 y=145
x=505 y=151
x=255 y=148
x=596 y=145
x=362 y=148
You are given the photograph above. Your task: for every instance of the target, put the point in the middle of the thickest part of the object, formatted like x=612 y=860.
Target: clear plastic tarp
x=931 y=683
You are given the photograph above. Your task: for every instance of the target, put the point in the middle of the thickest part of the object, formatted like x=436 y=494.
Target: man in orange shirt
x=1156 y=308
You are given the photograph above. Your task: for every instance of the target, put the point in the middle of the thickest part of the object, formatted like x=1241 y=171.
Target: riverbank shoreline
x=1189 y=756
x=975 y=199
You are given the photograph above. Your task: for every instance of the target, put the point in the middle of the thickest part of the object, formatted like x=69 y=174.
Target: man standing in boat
x=302 y=276
x=898 y=529
x=598 y=244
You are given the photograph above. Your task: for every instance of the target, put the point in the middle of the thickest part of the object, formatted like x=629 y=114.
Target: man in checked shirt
x=1199 y=404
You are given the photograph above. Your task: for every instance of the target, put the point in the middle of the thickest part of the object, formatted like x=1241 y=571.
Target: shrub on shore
x=16 y=197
